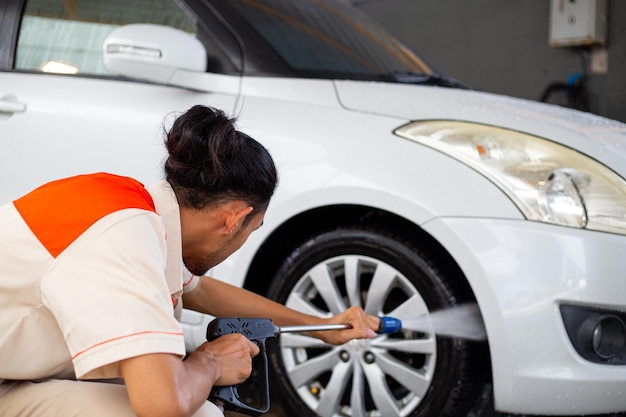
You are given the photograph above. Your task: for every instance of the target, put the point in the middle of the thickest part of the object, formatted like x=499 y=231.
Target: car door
x=62 y=113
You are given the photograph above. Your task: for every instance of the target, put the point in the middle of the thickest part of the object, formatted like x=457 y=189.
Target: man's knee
x=75 y=398
x=209 y=410
x=66 y=397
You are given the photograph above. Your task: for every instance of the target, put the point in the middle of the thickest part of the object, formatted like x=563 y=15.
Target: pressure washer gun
x=258 y=330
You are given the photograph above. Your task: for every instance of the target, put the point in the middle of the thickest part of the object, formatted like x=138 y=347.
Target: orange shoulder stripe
x=59 y=212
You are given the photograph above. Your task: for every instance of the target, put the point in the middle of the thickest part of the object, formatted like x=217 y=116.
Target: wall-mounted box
x=578 y=22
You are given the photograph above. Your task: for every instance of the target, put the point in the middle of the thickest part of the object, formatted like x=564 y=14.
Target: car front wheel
x=409 y=373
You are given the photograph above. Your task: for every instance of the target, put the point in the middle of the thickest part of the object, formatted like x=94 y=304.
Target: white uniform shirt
x=108 y=296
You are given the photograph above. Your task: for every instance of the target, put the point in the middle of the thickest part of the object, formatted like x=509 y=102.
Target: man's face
x=210 y=247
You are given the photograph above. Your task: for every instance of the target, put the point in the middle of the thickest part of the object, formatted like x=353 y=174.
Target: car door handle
x=9 y=104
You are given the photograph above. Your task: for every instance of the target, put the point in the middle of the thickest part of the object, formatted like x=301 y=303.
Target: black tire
x=404 y=374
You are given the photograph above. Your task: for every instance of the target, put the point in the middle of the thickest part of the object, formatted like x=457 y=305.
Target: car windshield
x=321 y=38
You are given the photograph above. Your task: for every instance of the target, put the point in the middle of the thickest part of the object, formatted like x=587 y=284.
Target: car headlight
x=547 y=181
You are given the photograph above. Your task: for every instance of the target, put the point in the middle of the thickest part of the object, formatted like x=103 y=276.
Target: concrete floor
x=276 y=410
x=483 y=408
x=486 y=410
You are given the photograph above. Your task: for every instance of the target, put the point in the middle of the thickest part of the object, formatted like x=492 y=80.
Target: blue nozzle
x=389 y=325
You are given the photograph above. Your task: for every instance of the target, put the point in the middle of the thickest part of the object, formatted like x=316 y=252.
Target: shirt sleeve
x=109 y=294
x=190 y=281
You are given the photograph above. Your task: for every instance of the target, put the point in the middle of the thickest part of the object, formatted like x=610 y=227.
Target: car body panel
x=601 y=138
x=98 y=124
x=520 y=272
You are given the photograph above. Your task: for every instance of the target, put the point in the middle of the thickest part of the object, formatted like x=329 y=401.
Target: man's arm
x=220 y=299
x=161 y=384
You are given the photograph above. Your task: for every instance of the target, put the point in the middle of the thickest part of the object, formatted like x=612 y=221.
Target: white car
x=400 y=191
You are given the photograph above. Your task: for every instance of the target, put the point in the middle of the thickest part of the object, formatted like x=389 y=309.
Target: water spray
x=464 y=322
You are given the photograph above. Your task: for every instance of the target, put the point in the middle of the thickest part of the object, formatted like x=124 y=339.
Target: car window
x=326 y=37
x=61 y=36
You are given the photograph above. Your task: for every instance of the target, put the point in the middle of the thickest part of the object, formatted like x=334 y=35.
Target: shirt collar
x=167 y=207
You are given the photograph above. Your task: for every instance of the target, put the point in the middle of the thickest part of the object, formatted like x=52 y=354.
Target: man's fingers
x=363 y=333
x=254 y=349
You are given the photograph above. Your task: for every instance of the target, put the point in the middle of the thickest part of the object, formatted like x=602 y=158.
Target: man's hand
x=363 y=327
x=161 y=384
x=234 y=353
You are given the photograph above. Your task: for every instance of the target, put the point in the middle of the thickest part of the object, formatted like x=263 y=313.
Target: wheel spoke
x=292 y=340
x=411 y=379
x=420 y=346
x=381 y=395
x=327 y=288
x=307 y=371
x=300 y=303
x=353 y=280
x=382 y=282
x=413 y=307
x=357 y=402
x=331 y=396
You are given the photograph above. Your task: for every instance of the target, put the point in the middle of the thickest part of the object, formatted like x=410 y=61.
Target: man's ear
x=236 y=213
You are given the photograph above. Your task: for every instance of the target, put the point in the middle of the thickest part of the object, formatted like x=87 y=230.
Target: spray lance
x=258 y=330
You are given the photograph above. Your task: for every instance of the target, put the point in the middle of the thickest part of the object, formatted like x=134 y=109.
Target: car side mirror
x=152 y=52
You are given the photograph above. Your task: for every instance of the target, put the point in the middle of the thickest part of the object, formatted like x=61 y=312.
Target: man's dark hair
x=210 y=162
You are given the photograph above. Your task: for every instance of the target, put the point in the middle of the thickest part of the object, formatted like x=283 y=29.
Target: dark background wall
x=502 y=46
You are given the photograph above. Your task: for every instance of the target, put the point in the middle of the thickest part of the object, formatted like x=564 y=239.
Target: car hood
x=601 y=138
